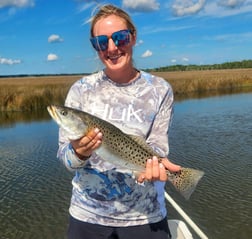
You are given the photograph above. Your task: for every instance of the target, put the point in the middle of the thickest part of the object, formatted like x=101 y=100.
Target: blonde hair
x=108 y=10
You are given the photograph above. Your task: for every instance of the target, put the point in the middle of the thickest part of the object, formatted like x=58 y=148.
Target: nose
x=111 y=45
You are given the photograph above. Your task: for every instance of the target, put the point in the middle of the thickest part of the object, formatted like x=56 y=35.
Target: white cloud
x=85 y=6
x=215 y=9
x=16 y=3
x=173 y=61
x=147 y=53
x=187 y=7
x=231 y=3
x=52 y=57
x=54 y=38
x=140 y=42
x=151 y=30
x=5 y=61
x=141 y=5
x=185 y=59
x=234 y=37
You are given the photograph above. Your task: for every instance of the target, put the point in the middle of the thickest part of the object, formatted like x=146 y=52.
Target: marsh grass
x=35 y=93
x=200 y=82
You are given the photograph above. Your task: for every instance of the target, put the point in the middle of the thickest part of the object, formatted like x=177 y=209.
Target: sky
x=52 y=36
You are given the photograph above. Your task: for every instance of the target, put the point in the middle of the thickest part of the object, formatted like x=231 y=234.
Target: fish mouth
x=53 y=112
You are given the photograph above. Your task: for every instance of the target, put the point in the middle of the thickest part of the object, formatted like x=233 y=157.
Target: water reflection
x=215 y=135
x=9 y=118
x=212 y=134
x=35 y=188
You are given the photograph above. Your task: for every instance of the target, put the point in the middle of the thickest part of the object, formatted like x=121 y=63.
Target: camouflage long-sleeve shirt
x=103 y=194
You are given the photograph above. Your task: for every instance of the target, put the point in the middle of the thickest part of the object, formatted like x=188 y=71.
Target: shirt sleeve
x=65 y=151
x=158 y=134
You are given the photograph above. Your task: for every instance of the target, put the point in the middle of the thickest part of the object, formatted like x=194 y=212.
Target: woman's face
x=115 y=58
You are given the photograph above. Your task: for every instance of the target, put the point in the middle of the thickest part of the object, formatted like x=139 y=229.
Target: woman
x=107 y=201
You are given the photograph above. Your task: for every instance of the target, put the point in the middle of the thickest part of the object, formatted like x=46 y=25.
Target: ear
x=133 y=39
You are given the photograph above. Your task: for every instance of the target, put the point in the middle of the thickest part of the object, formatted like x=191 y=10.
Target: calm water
x=212 y=134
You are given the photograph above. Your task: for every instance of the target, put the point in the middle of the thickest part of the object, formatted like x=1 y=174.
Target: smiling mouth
x=115 y=57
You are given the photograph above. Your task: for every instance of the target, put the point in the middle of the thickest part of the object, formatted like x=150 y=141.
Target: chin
x=115 y=65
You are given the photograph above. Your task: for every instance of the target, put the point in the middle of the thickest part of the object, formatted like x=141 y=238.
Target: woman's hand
x=157 y=171
x=84 y=146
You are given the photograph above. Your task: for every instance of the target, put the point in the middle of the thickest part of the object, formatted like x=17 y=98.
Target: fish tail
x=185 y=181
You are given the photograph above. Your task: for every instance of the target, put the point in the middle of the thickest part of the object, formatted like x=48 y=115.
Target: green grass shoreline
x=35 y=93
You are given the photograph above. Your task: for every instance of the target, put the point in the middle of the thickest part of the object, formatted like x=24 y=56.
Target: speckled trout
x=123 y=150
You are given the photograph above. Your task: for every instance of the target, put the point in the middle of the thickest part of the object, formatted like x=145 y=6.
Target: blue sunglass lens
x=100 y=43
x=120 y=38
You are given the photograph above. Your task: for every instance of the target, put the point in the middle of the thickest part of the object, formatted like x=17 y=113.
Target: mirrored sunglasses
x=120 y=38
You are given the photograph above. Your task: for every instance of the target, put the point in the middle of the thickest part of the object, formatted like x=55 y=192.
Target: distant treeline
x=41 y=75
x=227 y=65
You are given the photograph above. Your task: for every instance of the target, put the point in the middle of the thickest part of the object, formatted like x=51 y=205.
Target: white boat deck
x=179 y=230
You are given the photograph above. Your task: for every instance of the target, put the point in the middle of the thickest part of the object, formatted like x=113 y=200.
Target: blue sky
x=52 y=36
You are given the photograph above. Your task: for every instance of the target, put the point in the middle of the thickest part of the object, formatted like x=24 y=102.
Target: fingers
x=91 y=139
x=141 y=178
x=88 y=143
x=163 y=173
x=154 y=170
x=170 y=166
x=157 y=171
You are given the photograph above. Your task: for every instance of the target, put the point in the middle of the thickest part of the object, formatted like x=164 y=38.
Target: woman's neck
x=123 y=76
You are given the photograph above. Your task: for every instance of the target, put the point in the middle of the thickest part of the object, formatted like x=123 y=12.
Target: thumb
x=170 y=166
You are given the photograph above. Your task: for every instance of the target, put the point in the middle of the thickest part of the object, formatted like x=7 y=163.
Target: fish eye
x=63 y=112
